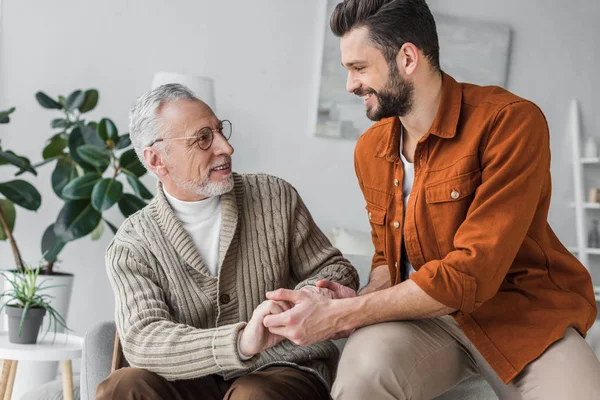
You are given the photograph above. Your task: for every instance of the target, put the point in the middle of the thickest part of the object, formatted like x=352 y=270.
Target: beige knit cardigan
x=178 y=321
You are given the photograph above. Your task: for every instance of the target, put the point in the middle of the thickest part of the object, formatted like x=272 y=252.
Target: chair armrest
x=96 y=357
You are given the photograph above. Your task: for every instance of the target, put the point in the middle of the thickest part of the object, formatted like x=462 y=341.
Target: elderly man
x=190 y=270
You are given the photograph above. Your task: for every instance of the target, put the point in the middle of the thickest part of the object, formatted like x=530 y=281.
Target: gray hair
x=144 y=126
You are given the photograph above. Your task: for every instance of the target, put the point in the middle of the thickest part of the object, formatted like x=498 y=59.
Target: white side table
x=63 y=348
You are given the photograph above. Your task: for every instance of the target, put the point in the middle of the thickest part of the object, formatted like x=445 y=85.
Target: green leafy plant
x=91 y=159
x=15 y=192
x=25 y=293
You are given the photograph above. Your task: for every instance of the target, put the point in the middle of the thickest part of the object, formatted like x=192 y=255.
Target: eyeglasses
x=204 y=137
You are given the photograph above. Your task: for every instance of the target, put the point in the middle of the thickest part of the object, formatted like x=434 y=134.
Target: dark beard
x=395 y=99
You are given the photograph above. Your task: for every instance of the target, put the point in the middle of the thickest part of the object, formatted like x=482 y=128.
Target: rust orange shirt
x=476 y=228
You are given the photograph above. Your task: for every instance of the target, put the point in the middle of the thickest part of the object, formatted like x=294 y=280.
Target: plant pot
x=31 y=324
x=31 y=374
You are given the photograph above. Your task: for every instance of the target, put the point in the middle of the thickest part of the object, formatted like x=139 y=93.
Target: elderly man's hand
x=310 y=320
x=255 y=337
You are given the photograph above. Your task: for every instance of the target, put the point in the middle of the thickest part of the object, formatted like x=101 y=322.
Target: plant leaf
x=20 y=162
x=107 y=130
x=60 y=123
x=4 y=115
x=76 y=219
x=90 y=135
x=75 y=141
x=106 y=193
x=81 y=187
x=64 y=172
x=21 y=193
x=123 y=142
x=130 y=204
x=75 y=100
x=130 y=162
x=113 y=228
x=56 y=146
x=51 y=244
x=91 y=100
x=97 y=233
x=10 y=214
x=47 y=102
x=138 y=187
x=93 y=155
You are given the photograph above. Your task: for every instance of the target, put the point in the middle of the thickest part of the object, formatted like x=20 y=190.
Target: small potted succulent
x=26 y=307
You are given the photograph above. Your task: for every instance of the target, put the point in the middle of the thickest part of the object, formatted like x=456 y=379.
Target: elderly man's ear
x=154 y=161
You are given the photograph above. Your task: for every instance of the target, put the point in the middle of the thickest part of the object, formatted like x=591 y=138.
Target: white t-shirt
x=202 y=221
x=407 y=184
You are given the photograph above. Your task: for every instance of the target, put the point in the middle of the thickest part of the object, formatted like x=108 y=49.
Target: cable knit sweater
x=178 y=321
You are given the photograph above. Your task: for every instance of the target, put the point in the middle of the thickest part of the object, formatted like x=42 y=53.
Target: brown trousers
x=269 y=384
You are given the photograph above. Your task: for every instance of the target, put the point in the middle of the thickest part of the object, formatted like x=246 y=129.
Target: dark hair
x=391 y=23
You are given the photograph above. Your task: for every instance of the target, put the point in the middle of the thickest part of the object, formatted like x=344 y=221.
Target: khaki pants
x=276 y=383
x=424 y=358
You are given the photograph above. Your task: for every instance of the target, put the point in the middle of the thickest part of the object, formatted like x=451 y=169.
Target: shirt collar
x=444 y=125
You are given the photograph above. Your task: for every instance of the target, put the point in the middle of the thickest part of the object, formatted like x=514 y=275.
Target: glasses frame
x=213 y=131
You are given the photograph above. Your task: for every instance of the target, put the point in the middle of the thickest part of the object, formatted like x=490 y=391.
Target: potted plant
x=15 y=192
x=26 y=306
x=90 y=159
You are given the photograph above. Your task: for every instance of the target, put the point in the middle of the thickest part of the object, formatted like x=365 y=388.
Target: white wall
x=264 y=57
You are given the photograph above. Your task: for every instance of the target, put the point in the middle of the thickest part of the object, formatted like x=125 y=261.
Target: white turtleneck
x=202 y=221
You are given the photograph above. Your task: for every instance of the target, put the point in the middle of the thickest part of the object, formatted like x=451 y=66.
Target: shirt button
x=396 y=264
x=396 y=224
x=224 y=298
x=396 y=182
x=370 y=216
x=454 y=194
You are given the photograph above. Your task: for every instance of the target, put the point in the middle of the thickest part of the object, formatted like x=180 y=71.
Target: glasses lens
x=226 y=129
x=204 y=138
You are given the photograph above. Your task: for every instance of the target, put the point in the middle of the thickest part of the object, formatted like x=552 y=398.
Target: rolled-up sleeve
x=515 y=172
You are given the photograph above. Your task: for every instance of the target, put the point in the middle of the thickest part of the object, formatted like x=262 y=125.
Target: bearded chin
x=207 y=188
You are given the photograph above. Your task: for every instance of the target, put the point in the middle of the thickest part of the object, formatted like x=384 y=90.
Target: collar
x=444 y=125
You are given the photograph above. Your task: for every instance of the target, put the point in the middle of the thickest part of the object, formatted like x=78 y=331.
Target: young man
x=467 y=277
x=190 y=270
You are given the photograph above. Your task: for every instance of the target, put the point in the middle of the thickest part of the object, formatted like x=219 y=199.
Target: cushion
x=350 y=241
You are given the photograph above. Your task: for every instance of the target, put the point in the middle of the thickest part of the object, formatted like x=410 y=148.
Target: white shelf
x=588 y=250
x=590 y=206
x=593 y=160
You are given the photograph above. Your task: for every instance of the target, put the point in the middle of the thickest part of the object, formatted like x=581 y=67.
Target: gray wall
x=265 y=57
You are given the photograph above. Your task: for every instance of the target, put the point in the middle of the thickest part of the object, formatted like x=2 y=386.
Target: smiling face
x=186 y=171
x=384 y=91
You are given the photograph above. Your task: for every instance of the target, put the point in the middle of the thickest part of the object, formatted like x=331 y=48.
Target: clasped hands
x=304 y=316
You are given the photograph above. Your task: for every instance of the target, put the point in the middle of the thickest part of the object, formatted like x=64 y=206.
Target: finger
x=275 y=308
x=284 y=305
x=280 y=331
x=292 y=296
x=273 y=320
x=326 y=284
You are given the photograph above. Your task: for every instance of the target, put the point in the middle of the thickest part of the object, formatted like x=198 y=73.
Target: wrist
x=346 y=313
x=244 y=355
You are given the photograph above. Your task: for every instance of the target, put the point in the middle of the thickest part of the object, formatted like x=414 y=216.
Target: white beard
x=206 y=188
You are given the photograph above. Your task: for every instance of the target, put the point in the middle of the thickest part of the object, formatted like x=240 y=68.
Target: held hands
x=313 y=317
x=255 y=337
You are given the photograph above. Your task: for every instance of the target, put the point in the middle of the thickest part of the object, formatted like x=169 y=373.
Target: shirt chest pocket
x=448 y=204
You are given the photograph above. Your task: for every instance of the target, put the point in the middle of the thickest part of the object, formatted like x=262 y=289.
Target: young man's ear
x=154 y=161
x=408 y=58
